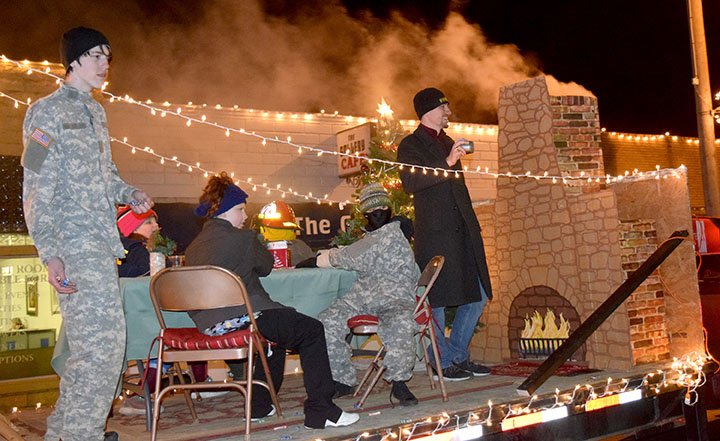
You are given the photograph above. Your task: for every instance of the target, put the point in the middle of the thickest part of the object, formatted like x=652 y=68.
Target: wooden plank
x=18 y=251
x=585 y=330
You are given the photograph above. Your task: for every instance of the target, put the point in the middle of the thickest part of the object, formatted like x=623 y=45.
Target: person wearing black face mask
x=385 y=287
x=381 y=216
x=377 y=218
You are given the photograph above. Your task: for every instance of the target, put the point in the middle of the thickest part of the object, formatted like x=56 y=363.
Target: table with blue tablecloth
x=309 y=290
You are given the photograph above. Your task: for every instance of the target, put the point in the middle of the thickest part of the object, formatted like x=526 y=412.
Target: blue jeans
x=455 y=348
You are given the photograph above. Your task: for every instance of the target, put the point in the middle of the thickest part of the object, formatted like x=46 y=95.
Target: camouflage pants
x=95 y=326
x=396 y=331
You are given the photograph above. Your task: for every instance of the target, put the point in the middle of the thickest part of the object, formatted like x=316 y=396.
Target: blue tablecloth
x=309 y=290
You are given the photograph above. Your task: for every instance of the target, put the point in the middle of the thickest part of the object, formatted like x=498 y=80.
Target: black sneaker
x=403 y=394
x=111 y=436
x=454 y=373
x=342 y=390
x=475 y=369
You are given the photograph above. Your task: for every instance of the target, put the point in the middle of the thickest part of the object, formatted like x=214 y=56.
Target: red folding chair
x=196 y=288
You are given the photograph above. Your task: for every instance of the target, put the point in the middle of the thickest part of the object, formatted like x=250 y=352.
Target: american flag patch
x=41 y=137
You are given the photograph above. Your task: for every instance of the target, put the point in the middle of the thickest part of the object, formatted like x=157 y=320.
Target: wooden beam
x=597 y=318
x=18 y=251
x=7 y=432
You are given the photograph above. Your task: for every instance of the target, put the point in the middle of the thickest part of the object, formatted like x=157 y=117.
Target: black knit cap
x=428 y=99
x=77 y=41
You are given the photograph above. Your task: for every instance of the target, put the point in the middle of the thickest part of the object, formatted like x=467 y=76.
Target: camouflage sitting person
x=385 y=287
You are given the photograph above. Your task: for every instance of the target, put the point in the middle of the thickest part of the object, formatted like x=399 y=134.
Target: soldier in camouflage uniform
x=70 y=190
x=385 y=287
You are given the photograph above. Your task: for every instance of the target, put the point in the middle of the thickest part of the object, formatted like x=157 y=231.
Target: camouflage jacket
x=384 y=264
x=71 y=184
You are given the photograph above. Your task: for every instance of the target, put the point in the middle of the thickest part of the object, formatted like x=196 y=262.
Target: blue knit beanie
x=232 y=196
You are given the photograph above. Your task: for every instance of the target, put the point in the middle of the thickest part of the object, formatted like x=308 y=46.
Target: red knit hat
x=128 y=221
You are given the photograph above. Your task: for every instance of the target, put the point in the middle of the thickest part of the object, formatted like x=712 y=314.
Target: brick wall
x=576 y=135
x=646 y=306
x=633 y=151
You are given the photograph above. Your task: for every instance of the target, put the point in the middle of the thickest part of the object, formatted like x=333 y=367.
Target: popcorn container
x=280 y=252
x=157 y=262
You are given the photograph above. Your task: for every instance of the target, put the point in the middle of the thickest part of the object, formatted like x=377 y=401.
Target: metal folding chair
x=368 y=324
x=196 y=288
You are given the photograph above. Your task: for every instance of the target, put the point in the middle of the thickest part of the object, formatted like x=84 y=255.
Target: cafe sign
x=354 y=142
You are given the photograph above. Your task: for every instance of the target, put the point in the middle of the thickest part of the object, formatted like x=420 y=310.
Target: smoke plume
x=319 y=57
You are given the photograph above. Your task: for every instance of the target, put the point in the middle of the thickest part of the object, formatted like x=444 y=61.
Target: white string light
x=206 y=172
x=663 y=137
x=147 y=104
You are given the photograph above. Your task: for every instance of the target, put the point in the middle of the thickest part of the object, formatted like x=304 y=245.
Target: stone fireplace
x=568 y=245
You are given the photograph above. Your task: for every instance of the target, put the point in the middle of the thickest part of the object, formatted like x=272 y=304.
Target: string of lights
x=685 y=373
x=269 y=189
x=165 y=160
x=300 y=148
x=654 y=138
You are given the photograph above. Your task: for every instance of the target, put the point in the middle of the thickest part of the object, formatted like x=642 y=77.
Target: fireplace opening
x=540 y=320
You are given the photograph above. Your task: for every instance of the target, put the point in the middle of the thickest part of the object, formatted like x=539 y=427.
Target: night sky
x=634 y=55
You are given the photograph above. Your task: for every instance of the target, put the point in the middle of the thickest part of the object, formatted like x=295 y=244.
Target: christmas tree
x=383 y=146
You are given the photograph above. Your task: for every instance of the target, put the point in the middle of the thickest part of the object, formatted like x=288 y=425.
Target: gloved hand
x=406 y=225
x=307 y=263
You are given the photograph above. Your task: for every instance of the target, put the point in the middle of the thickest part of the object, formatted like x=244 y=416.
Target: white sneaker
x=345 y=419
x=135 y=405
x=209 y=393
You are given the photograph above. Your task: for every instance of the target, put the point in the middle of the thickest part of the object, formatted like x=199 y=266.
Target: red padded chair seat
x=192 y=339
x=363 y=320
x=421 y=317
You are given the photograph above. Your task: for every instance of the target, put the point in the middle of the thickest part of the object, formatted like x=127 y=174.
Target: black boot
x=403 y=394
x=111 y=436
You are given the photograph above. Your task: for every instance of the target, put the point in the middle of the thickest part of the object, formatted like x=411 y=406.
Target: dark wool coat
x=445 y=223
x=137 y=258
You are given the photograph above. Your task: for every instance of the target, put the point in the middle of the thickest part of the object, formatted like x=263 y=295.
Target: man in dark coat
x=445 y=224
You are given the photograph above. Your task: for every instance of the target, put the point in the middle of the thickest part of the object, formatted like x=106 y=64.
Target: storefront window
x=29 y=310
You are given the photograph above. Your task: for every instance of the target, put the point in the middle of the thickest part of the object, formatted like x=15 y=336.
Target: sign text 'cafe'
x=355 y=142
